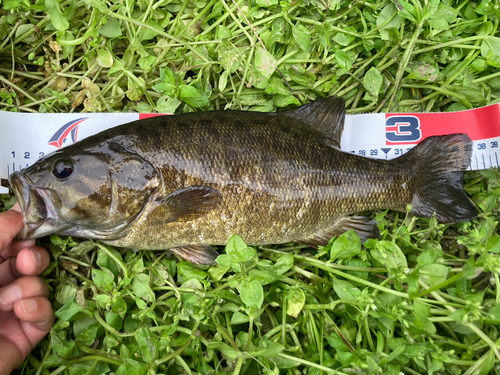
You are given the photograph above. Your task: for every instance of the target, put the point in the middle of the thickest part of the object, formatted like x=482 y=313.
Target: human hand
x=25 y=312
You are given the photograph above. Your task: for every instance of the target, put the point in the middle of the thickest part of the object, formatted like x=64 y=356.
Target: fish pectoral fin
x=197 y=254
x=325 y=116
x=365 y=227
x=186 y=204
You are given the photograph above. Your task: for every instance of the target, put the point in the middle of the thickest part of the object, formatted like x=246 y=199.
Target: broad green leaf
x=165 y=88
x=372 y=81
x=422 y=310
x=345 y=290
x=337 y=343
x=301 y=36
x=65 y=293
x=487 y=364
x=295 y=299
x=111 y=29
x=239 y=318
x=301 y=76
x=267 y=348
x=469 y=268
x=285 y=100
x=265 y=63
x=284 y=263
x=148 y=343
x=148 y=33
x=346 y=246
x=487 y=7
x=141 y=288
x=57 y=19
x=131 y=367
x=167 y=104
x=493 y=316
x=103 y=280
x=114 y=320
x=458 y=315
x=444 y=12
x=62 y=348
x=135 y=87
x=229 y=56
x=342 y=59
x=223 y=32
x=188 y=271
x=167 y=75
x=493 y=244
x=424 y=71
x=99 y=5
x=345 y=39
x=238 y=251
x=223 y=80
x=192 y=96
x=390 y=255
x=87 y=330
x=71 y=309
x=251 y=293
x=490 y=48
x=276 y=86
x=83 y=247
x=145 y=62
x=104 y=58
x=106 y=262
x=388 y=18
x=439 y=24
x=218 y=272
x=433 y=274
x=262 y=276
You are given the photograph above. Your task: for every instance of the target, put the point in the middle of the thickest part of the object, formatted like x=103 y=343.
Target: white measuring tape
x=26 y=137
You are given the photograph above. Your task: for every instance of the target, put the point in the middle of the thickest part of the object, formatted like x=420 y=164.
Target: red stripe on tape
x=411 y=128
x=148 y=115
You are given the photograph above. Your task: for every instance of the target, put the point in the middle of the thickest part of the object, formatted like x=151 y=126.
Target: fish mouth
x=37 y=206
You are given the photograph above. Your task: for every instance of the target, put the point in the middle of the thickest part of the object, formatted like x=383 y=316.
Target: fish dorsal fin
x=325 y=116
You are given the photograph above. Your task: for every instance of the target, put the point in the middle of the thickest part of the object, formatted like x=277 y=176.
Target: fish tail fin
x=439 y=163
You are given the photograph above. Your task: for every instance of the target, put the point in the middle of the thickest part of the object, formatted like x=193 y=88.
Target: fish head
x=94 y=192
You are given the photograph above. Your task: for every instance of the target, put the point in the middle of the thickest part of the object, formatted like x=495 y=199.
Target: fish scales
x=267 y=174
x=193 y=180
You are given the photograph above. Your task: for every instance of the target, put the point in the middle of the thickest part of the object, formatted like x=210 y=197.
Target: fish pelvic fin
x=325 y=116
x=439 y=164
x=365 y=227
x=197 y=254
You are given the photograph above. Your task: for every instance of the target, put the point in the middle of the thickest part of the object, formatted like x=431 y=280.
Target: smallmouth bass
x=189 y=181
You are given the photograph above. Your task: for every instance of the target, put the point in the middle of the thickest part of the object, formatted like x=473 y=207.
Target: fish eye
x=63 y=168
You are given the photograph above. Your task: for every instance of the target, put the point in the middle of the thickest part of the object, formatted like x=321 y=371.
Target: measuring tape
x=26 y=137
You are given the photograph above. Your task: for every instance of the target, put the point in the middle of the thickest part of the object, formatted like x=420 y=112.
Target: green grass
x=424 y=299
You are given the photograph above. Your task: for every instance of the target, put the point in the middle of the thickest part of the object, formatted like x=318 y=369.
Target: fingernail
x=36 y=257
x=28 y=305
x=10 y=294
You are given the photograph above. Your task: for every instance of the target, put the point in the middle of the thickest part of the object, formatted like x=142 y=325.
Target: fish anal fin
x=197 y=254
x=325 y=116
x=365 y=227
x=186 y=204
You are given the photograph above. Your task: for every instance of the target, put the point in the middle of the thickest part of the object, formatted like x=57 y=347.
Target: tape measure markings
x=384 y=136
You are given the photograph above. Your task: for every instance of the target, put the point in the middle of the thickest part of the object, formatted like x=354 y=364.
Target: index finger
x=11 y=222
